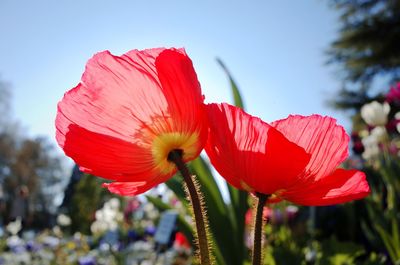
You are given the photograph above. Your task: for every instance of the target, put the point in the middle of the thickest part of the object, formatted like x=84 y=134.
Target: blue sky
x=274 y=49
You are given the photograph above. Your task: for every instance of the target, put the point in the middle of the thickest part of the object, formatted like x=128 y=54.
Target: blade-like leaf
x=396 y=238
x=237 y=99
x=175 y=184
x=387 y=240
x=239 y=207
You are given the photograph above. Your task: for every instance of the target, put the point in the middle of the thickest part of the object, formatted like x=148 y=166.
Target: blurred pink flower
x=393 y=96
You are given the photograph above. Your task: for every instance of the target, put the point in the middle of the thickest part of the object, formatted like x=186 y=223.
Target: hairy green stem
x=258 y=229
x=175 y=156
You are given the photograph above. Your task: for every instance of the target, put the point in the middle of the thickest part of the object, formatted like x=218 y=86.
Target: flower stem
x=258 y=228
x=175 y=156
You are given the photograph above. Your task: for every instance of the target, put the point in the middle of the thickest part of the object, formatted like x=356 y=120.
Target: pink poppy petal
x=116 y=96
x=321 y=137
x=180 y=86
x=106 y=156
x=339 y=187
x=249 y=153
x=127 y=109
x=183 y=93
x=130 y=188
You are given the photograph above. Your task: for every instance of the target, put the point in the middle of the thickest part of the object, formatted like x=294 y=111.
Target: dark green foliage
x=286 y=247
x=381 y=226
x=350 y=99
x=86 y=200
x=335 y=252
x=369 y=40
x=368 y=46
x=28 y=163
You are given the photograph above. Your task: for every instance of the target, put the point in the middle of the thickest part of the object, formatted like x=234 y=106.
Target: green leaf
x=396 y=239
x=175 y=184
x=237 y=99
x=336 y=252
x=369 y=233
x=388 y=241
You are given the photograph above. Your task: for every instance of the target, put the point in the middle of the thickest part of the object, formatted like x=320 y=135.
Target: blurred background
x=333 y=57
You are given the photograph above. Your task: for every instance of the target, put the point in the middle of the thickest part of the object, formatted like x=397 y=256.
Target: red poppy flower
x=293 y=159
x=128 y=113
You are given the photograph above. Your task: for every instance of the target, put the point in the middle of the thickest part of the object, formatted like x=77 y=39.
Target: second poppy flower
x=293 y=159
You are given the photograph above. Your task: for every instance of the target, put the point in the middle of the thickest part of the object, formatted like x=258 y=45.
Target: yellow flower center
x=164 y=143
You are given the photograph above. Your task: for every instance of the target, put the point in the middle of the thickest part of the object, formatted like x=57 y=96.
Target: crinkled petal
x=249 y=153
x=321 y=137
x=339 y=187
x=117 y=96
x=155 y=89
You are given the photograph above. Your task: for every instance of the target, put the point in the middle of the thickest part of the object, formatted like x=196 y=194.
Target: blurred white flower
x=108 y=217
x=77 y=236
x=397 y=117
x=14 y=227
x=311 y=255
x=375 y=113
x=108 y=214
x=371 y=147
x=51 y=241
x=99 y=215
x=379 y=133
x=21 y=256
x=363 y=133
x=149 y=207
x=57 y=231
x=104 y=247
x=14 y=241
x=63 y=220
x=113 y=203
x=371 y=142
x=292 y=209
x=119 y=217
x=98 y=227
